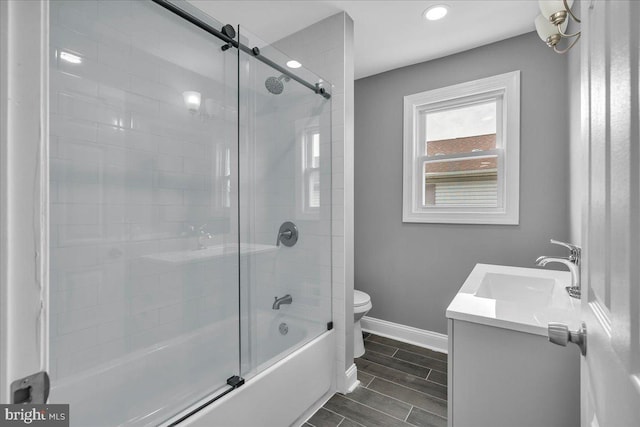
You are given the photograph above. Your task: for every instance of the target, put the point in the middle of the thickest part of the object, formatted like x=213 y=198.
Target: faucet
x=201 y=234
x=282 y=300
x=572 y=262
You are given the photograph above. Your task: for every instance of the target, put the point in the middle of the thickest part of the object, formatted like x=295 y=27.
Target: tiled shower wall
x=132 y=170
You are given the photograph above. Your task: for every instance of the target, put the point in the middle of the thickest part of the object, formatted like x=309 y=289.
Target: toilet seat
x=360 y=298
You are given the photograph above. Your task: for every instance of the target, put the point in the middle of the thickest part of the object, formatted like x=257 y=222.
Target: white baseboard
x=352 y=378
x=408 y=334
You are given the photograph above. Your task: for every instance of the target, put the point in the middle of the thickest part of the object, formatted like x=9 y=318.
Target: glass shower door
x=144 y=303
x=285 y=206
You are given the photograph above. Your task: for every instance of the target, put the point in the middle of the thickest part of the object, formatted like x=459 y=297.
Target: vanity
x=503 y=371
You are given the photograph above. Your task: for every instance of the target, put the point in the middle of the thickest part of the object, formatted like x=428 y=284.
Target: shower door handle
x=287 y=234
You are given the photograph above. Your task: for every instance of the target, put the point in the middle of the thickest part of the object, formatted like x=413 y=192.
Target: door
x=610 y=372
x=285 y=187
x=119 y=221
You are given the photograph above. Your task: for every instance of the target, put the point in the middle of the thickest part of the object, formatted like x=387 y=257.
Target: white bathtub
x=280 y=370
x=284 y=394
x=265 y=344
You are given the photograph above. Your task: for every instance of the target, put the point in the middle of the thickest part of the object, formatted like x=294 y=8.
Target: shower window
x=308 y=171
x=461 y=153
x=311 y=160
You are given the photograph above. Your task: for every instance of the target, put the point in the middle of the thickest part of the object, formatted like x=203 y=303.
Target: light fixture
x=293 y=64
x=192 y=100
x=436 y=12
x=552 y=23
x=70 y=57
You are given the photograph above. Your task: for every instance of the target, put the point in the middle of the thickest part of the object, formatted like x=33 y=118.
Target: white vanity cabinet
x=503 y=371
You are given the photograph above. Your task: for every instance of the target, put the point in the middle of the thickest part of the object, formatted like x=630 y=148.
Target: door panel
x=611 y=303
x=285 y=176
x=144 y=305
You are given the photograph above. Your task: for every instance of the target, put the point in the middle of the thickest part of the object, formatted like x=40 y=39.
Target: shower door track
x=233 y=382
x=255 y=52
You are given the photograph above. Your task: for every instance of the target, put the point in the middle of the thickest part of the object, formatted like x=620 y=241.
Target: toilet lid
x=360 y=298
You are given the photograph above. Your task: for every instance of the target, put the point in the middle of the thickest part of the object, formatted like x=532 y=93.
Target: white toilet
x=361 y=305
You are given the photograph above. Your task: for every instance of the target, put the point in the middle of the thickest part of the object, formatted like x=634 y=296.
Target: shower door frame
x=24 y=193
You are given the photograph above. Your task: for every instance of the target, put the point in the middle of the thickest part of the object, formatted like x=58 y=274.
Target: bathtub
x=295 y=369
x=289 y=373
x=286 y=393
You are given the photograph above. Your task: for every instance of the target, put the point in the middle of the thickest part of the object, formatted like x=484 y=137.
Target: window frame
x=505 y=89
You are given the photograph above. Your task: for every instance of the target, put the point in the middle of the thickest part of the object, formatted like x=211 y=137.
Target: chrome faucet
x=282 y=300
x=572 y=262
x=201 y=234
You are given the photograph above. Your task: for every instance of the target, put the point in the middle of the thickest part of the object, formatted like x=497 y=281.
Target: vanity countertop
x=516 y=298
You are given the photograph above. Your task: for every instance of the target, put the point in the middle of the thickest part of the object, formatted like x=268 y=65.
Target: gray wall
x=412 y=271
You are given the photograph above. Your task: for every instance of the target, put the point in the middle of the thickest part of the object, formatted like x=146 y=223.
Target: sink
x=209 y=253
x=498 y=321
x=533 y=291
x=516 y=298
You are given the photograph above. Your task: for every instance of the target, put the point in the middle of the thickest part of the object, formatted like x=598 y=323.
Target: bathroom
x=242 y=213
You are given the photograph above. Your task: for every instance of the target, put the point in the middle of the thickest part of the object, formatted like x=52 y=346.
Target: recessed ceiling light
x=436 y=12
x=293 y=64
x=70 y=57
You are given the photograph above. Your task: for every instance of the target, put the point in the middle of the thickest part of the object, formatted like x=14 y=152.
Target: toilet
x=361 y=306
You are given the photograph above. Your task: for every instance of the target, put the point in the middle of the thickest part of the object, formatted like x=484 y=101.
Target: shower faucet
x=287 y=299
x=287 y=234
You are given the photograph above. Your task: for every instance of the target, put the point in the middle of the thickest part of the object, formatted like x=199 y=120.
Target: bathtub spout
x=282 y=300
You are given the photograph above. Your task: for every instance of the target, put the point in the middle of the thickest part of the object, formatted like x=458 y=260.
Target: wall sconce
x=192 y=100
x=552 y=23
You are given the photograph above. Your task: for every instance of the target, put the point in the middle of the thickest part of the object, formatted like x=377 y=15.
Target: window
x=311 y=169
x=461 y=153
x=308 y=148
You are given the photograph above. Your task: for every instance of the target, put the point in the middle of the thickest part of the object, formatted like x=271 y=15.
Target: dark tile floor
x=400 y=385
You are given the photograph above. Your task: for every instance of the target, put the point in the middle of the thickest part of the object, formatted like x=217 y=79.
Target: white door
x=611 y=228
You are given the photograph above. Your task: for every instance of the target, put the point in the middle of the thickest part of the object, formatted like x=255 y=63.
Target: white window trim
x=508 y=85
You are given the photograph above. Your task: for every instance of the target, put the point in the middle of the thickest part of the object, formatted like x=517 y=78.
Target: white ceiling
x=388 y=34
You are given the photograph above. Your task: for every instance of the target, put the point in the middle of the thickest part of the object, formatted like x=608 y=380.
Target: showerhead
x=275 y=85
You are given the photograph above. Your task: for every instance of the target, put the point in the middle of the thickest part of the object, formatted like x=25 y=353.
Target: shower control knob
x=560 y=334
x=287 y=234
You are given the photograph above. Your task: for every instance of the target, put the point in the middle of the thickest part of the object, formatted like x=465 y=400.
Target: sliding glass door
x=285 y=210
x=144 y=262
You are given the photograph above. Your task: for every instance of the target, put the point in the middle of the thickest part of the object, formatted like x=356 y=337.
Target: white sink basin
x=209 y=253
x=522 y=299
x=533 y=291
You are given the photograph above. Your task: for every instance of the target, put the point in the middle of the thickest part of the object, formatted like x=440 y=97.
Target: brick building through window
x=458 y=181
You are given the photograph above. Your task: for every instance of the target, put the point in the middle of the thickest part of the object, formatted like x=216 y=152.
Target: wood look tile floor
x=400 y=385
